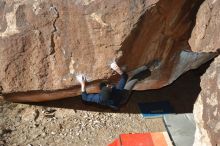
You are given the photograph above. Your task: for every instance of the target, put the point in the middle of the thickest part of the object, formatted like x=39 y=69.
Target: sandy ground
x=27 y=125
x=69 y=122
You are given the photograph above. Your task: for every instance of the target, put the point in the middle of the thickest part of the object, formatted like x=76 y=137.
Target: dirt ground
x=69 y=122
x=27 y=125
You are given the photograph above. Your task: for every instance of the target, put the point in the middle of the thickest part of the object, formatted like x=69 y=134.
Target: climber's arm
x=85 y=96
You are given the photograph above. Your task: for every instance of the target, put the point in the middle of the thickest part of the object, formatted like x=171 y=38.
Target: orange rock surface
x=44 y=44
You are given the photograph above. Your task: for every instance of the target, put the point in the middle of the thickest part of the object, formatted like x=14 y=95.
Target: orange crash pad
x=143 y=139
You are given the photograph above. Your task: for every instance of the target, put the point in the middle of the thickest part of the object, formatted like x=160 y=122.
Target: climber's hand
x=116 y=68
x=81 y=79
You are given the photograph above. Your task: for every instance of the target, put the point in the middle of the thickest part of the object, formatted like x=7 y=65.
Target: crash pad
x=155 y=109
x=181 y=128
x=143 y=139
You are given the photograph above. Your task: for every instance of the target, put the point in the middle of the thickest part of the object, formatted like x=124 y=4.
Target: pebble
x=1 y=132
x=53 y=133
x=13 y=128
x=43 y=134
x=36 y=114
x=35 y=125
x=2 y=142
x=18 y=118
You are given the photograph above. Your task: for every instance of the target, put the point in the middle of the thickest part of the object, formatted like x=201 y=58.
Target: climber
x=114 y=96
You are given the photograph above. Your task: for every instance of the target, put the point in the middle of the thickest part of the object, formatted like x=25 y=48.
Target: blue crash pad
x=155 y=109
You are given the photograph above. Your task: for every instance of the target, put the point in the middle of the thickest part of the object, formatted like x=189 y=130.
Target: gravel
x=31 y=125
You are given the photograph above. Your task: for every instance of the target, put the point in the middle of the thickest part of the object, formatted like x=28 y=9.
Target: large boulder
x=207 y=108
x=205 y=37
x=45 y=43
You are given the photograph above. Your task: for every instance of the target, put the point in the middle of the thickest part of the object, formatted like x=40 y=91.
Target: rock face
x=207 y=108
x=45 y=43
x=205 y=37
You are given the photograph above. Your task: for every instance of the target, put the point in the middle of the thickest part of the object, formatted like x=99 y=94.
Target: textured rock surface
x=44 y=42
x=207 y=108
x=205 y=37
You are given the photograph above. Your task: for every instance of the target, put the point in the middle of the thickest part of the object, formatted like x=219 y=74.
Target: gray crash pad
x=181 y=128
